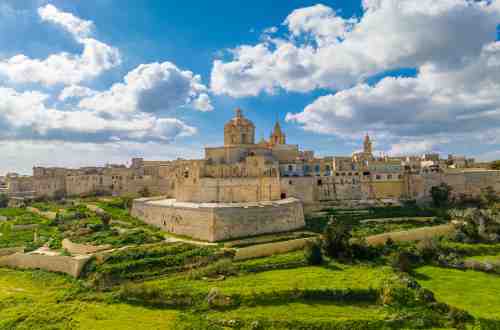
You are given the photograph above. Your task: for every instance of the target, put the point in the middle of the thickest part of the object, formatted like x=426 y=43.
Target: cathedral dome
x=239 y=130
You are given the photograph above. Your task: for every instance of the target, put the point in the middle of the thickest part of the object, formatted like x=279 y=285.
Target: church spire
x=367 y=145
x=277 y=136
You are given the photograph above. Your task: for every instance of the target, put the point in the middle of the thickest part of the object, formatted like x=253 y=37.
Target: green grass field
x=476 y=292
x=334 y=276
x=40 y=300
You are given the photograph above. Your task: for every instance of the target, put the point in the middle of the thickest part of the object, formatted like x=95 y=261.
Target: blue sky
x=85 y=82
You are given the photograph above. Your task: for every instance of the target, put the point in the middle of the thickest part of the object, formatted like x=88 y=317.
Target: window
x=290 y=168
x=389 y=177
x=337 y=174
x=320 y=182
x=317 y=168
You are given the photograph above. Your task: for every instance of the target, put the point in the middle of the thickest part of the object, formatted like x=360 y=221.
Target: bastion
x=220 y=221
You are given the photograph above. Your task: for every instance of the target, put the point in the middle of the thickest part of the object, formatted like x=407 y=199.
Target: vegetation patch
x=476 y=292
x=146 y=261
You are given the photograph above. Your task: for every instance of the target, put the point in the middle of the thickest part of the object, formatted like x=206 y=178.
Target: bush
x=4 y=201
x=313 y=253
x=428 y=249
x=441 y=195
x=224 y=267
x=336 y=239
x=144 y=192
x=402 y=261
x=458 y=317
x=105 y=218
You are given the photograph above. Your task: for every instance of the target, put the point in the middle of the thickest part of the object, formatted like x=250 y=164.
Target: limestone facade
x=220 y=221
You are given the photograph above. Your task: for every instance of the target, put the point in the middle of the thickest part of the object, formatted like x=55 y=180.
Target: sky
x=90 y=82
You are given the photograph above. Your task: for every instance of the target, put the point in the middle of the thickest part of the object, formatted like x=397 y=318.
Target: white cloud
x=78 y=27
x=151 y=88
x=391 y=34
x=63 y=68
x=75 y=92
x=438 y=102
x=25 y=115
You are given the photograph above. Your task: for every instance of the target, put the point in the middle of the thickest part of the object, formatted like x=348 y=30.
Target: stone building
x=243 y=170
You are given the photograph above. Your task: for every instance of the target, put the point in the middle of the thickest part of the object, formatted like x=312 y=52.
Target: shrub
x=458 y=317
x=428 y=249
x=55 y=242
x=105 y=218
x=360 y=250
x=313 y=253
x=441 y=195
x=144 y=192
x=224 y=267
x=336 y=239
x=402 y=261
x=4 y=201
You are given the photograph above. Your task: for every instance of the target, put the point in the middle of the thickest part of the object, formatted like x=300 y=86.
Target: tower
x=277 y=136
x=239 y=130
x=367 y=145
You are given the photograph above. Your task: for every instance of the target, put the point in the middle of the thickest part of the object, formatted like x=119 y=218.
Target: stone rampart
x=220 y=221
x=72 y=266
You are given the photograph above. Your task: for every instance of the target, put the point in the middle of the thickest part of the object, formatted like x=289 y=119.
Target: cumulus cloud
x=26 y=115
x=326 y=50
x=63 y=68
x=436 y=103
x=151 y=88
x=75 y=92
x=78 y=27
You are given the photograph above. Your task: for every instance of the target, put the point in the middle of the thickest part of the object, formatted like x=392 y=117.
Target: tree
x=488 y=197
x=4 y=200
x=312 y=253
x=105 y=218
x=59 y=195
x=441 y=195
x=144 y=192
x=336 y=239
x=495 y=165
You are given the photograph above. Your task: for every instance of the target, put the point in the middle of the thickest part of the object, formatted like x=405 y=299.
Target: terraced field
x=476 y=292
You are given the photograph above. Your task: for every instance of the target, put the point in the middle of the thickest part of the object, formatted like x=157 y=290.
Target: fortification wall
x=215 y=222
x=469 y=183
x=228 y=190
x=72 y=266
x=176 y=218
x=234 y=222
x=348 y=191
